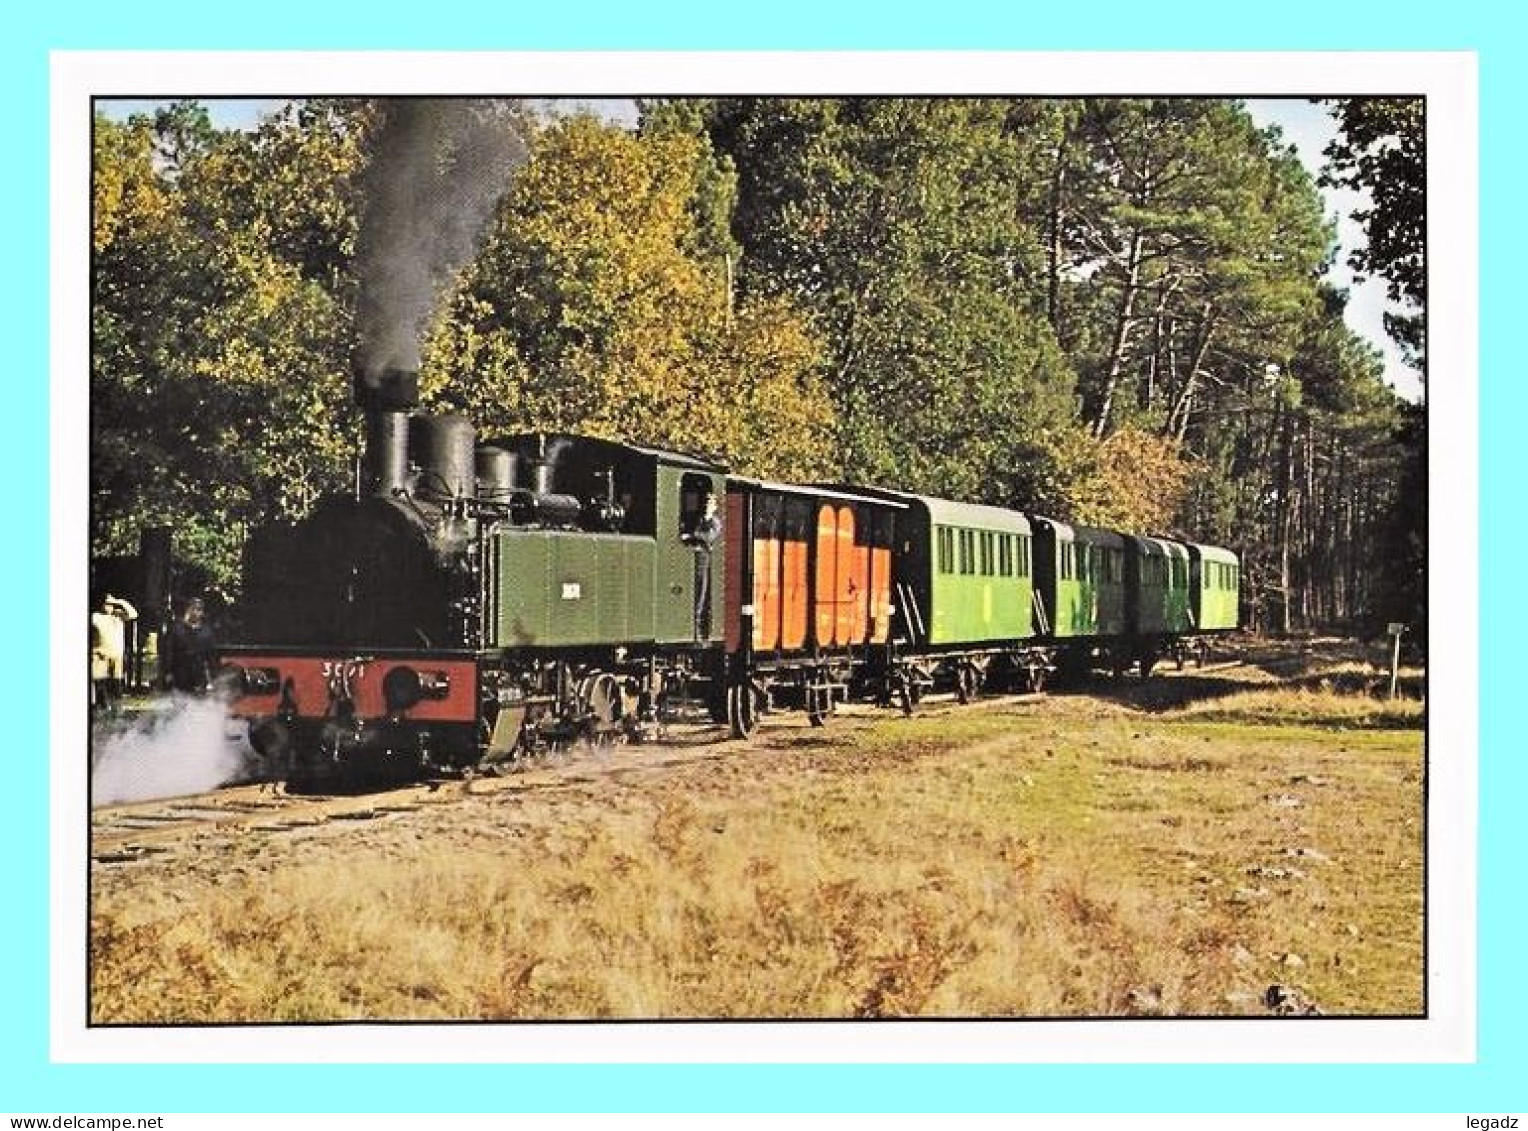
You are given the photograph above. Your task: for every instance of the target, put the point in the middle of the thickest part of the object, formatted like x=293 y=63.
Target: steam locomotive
x=472 y=602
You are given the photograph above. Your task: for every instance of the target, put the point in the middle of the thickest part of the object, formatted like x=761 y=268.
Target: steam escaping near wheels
x=184 y=744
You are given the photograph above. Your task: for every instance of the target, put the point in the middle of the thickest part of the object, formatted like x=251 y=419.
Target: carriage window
x=986 y=554
x=766 y=516
x=1005 y=555
x=946 y=549
x=799 y=518
x=1024 y=567
x=967 y=552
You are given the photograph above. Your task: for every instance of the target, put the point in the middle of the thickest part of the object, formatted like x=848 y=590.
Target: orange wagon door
x=880 y=579
x=766 y=573
x=793 y=574
x=853 y=585
x=825 y=587
x=766 y=594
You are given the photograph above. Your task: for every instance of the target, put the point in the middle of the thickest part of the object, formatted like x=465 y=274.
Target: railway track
x=124 y=834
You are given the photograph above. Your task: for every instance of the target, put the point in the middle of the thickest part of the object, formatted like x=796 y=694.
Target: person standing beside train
x=108 y=650
x=186 y=657
x=702 y=538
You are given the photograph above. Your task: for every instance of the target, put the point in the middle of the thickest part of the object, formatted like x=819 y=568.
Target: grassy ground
x=1080 y=856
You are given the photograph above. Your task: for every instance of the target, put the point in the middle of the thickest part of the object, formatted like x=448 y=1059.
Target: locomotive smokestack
x=437 y=169
x=386 y=396
x=390 y=389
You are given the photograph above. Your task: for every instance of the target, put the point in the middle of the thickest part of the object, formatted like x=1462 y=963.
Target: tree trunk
x=1177 y=419
x=1124 y=324
x=1056 y=242
x=1284 y=519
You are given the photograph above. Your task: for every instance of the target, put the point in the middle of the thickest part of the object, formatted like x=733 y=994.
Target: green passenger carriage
x=1157 y=586
x=1215 y=588
x=977 y=581
x=1081 y=572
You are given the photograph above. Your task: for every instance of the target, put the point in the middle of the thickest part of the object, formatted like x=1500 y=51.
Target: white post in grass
x=1395 y=629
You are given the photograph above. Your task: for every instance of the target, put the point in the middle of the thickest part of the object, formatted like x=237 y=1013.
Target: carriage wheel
x=966 y=681
x=1034 y=679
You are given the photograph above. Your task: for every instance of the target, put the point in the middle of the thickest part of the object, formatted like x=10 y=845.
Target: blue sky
x=1305 y=125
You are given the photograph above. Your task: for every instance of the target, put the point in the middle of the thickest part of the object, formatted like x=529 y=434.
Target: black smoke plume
x=437 y=170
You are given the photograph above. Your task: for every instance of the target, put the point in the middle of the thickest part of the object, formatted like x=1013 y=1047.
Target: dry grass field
x=1177 y=848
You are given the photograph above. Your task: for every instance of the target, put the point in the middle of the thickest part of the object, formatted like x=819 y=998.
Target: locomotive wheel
x=742 y=709
x=605 y=704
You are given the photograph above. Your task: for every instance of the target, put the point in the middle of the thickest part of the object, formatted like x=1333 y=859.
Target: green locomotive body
x=635 y=583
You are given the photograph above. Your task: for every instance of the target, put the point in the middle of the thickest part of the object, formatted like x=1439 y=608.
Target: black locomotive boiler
x=470 y=601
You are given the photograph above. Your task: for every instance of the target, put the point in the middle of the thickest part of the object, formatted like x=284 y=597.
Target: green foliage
x=1195 y=245
x=892 y=223
x=1106 y=310
x=597 y=307
x=221 y=327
